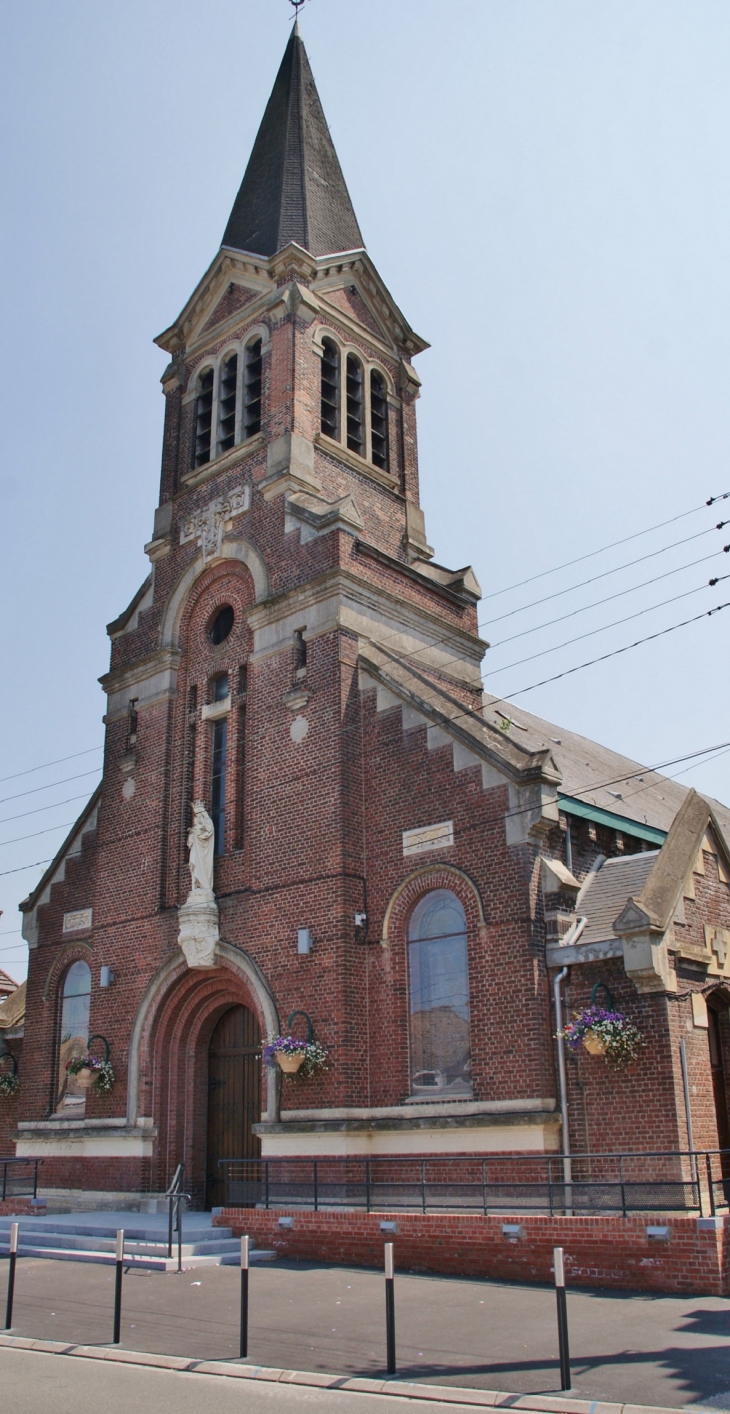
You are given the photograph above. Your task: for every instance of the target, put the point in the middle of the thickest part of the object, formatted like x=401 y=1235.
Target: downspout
x=571 y=936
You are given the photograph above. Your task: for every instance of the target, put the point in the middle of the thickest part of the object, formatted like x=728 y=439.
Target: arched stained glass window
x=74 y=1034
x=439 y=997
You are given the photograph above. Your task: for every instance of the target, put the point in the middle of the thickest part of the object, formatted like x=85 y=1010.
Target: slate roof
x=293 y=188
x=606 y=890
x=7 y=984
x=591 y=771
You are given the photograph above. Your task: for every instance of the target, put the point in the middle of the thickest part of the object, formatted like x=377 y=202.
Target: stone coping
x=401 y=1389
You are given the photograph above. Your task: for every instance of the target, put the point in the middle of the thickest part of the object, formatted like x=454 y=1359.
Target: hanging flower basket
x=91 y=1071
x=9 y=1083
x=290 y=1064
x=296 y=1057
x=603 y=1033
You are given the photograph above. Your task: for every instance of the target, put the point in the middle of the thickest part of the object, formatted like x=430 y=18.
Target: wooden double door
x=234 y=1100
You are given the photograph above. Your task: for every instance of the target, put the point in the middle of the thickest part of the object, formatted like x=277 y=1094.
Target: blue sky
x=544 y=187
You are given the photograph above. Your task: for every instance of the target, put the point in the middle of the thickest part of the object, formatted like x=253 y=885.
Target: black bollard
x=559 y=1265
x=244 y=1297
x=11 y=1275
x=389 y=1308
x=118 y=1287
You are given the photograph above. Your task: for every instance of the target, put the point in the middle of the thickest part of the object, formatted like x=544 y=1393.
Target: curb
x=401 y=1389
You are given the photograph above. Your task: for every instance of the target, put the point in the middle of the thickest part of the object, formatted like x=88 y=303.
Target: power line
x=62 y=782
x=592 y=553
x=30 y=769
x=49 y=831
x=639 y=773
x=604 y=575
x=40 y=809
x=603 y=629
x=579 y=666
x=620 y=594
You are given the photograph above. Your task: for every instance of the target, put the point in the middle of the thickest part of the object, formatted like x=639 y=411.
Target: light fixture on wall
x=304 y=941
x=106 y=977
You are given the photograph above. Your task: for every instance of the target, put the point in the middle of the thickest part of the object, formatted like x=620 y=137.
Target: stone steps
x=145 y=1243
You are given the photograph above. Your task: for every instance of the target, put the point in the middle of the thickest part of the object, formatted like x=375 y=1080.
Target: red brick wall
x=600 y=1251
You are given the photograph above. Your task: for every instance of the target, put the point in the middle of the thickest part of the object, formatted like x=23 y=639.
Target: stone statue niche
x=198 y=916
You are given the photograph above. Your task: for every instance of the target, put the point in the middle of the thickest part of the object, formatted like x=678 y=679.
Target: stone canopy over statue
x=199 y=932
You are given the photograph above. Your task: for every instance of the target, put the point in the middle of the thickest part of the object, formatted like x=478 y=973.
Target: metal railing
x=659 y=1181
x=175 y=1196
x=18 y=1178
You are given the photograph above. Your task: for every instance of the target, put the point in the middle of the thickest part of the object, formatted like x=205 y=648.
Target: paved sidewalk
x=641 y=1349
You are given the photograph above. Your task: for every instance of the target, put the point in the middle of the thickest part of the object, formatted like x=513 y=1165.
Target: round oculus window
x=221 y=625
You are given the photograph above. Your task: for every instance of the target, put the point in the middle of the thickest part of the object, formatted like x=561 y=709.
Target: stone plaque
x=428 y=837
x=74 y=922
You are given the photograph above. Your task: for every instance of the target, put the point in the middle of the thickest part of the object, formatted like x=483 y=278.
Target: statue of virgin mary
x=201 y=844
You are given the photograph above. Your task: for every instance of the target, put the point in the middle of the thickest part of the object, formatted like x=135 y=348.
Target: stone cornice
x=163 y=660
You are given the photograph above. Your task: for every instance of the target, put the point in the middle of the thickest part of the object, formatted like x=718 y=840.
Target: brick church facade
x=398 y=863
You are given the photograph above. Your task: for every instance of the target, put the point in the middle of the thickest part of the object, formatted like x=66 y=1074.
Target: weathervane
x=297 y=6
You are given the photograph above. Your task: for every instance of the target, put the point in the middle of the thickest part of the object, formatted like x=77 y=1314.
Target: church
x=312 y=822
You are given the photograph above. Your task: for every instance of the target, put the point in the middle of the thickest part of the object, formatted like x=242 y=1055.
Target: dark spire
x=293 y=188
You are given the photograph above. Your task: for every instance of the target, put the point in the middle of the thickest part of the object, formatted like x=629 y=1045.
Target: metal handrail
x=174 y=1194
x=13 y=1159
x=484 y=1183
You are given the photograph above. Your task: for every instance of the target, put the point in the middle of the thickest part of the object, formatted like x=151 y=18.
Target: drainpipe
x=571 y=936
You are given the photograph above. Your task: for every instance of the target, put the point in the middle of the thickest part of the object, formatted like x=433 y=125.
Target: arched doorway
x=234 y=1096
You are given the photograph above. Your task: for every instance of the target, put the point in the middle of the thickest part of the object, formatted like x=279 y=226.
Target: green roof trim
x=570 y=806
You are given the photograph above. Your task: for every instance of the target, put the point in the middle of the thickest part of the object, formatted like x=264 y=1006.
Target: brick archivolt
x=177 y=1003
x=423 y=881
x=241 y=550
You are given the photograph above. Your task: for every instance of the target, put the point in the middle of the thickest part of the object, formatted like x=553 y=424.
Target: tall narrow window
x=379 y=419
x=227 y=403
x=74 y=1035
x=203 y=418
x=355 y=439
x=439 y=997
x=330 y=415
x=218 y=778
x=253 y=373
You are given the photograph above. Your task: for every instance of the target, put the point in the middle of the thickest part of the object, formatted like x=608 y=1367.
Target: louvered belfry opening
x=204 y=418
x=227 y=403
x=379 y=419
x=234 y=1095
x=355 y=438
x=252 y=388
x=330 y=415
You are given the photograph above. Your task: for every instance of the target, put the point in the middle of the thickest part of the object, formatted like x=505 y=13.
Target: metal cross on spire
x=297 y=4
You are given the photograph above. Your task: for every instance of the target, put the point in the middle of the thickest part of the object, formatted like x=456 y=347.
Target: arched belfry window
x=355 y=401
x=253 y=376
x=204 y=418
x=74 y=1031
x=439 y=997
x=379 y=419
x=227 y=403
x=330 y=415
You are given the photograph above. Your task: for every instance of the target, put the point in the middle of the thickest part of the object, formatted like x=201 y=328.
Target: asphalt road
x=653 y=1350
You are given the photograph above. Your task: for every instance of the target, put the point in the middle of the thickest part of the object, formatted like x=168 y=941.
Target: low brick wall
x=599 y=1251
x=23 y=1208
